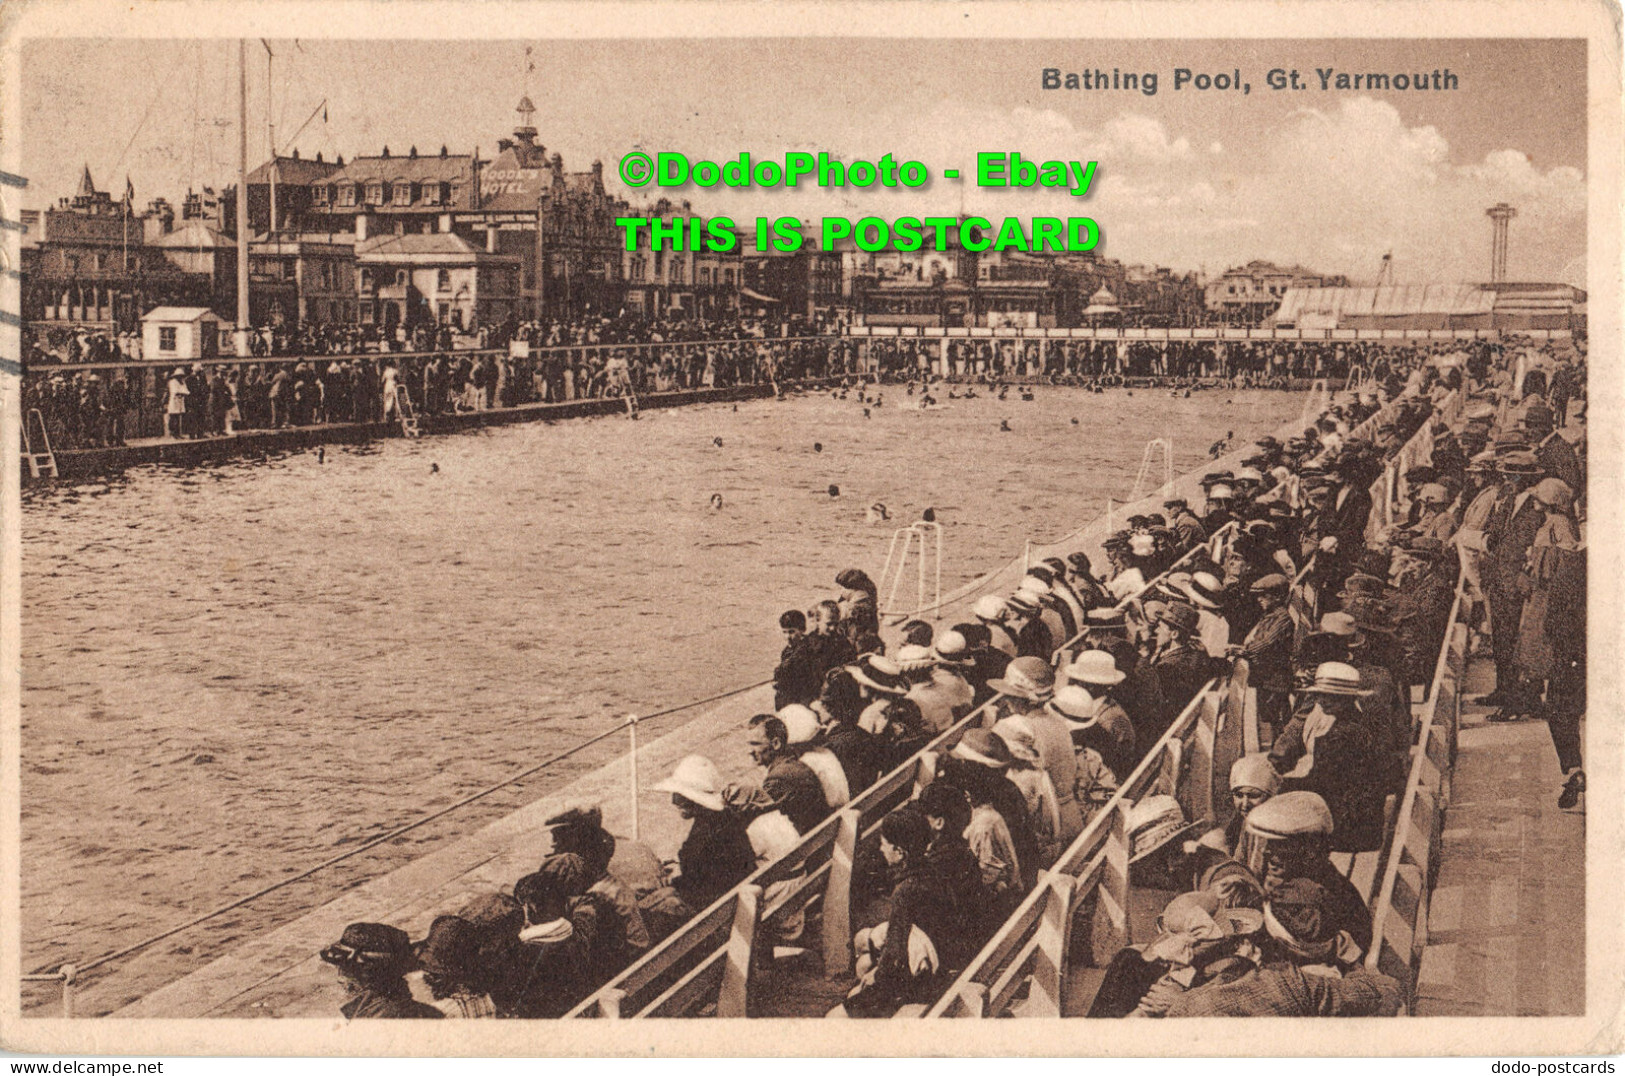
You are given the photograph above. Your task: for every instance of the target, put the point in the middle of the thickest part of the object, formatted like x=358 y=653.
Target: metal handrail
x=539 y=350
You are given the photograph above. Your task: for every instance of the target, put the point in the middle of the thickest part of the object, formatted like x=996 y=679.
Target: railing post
x=67 y=991
x=734 y=997
x=1114 y=885
x=1050 y=954
x=632 y=762
x=609 y=1003
x=837 y=928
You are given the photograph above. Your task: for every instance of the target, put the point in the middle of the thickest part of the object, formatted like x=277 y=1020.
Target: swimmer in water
x=877 y=513
x=834 y=490
x=716 y=501
x=717 y=441
x=434 y=468
x=1004 y=426
x=865 y=412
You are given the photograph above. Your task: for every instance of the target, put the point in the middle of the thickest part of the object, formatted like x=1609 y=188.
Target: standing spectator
x=175 y=408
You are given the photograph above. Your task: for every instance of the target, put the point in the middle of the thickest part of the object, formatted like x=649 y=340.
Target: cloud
x=1331 y=189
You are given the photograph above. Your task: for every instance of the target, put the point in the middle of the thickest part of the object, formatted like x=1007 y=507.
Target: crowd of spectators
x=341 y=378
x=1338 y=615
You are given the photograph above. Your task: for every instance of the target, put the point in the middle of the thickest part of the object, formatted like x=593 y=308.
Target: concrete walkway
x=1506 y=929
x=279 y=973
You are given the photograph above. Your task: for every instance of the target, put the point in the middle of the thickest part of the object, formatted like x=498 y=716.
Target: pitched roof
x=435 y=169
x=86 y=187
x=194 y=235
x=293 y=171
x=177 y=313
x=434 y=247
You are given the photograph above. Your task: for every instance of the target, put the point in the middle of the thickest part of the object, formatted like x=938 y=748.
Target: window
x=431 y=194
x=727 y=276
x=452 y=193
x=366 y=279
x=400 y=278
x=318 y=194
x=403 y=193
x=347 y=194
x=166 y=338
x=443 y=310
x=446 y=192
x=375 y=194
x=443 y=282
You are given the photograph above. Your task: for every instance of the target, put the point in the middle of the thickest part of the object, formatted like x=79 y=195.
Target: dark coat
x=1350 y=773
x=715 y=856
x=797 y=792
x=800 y=674
x=388 y=1003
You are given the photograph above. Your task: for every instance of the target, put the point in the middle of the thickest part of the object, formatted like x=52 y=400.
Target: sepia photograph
x=916 y=516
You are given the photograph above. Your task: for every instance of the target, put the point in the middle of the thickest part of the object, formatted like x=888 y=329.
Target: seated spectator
x=716 y=855
x=1008 y=855
x=580 y=830
x=1027 y=684
x=853 y=746
x=1033 y=636
x=788 y=783
x=1252 y=781
x=560 y=932
x=1198 y=941
x=449 y=956
x=941 y=701
x=986 y=662
x=990 y=611
x=1328 y=749
x=1027 y=773
x=372 y=961
x=897 y=730
x=772 y=836
x=902 y=960
x=1164 y=856
x=1182 y=665
x=497 y=920
x=800 y=672
x=1288 y=836
x=1308 y=968
x=801 y=725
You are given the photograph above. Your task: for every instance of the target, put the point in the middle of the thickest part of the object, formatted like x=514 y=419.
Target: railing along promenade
x=1033 y=953
x=720 y=935
x=709 y=960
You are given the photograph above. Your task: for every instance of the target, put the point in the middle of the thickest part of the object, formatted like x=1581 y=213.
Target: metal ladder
x=1320 y=396
x=40 y=464
x=1151 y=446
x=408 y=417
x=930 y=544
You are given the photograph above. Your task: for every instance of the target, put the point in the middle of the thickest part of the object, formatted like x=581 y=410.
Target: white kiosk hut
x=181 y=333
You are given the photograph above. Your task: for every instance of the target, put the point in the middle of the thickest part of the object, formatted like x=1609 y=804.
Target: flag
x=129 y=190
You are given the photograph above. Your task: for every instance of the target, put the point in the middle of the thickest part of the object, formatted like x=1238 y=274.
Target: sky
x=1194 y=180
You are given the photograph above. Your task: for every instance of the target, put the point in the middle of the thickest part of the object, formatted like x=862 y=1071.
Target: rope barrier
x=44 y=974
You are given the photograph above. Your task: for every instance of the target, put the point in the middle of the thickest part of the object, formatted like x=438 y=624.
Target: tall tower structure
x=1499 y=213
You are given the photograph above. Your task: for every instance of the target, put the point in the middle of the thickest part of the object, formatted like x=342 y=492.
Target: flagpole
x=242 y=198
